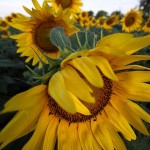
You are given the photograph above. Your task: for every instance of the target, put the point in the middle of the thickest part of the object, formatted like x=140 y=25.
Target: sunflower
x=87 y=102
x=100 y=21
x=73 y=5
x=111 y=21
x=5 y=34
x=132 y=20
x=83 y=15
x=84 y=22
x=146 y=26
x=34 y=39
x=4 y=24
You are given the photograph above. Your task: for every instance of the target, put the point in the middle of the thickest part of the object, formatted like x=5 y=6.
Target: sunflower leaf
x=60 y=39
x=78 y=40
x=91 y=40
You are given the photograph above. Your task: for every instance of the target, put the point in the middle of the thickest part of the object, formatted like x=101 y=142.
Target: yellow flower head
x=83 y=15
x=100 y=21
x=84 y=22
x=87 y=102
x=73 y=5
x=111 y=21
x=4 y=24
x=34 y=39
x=146 y=26
x=132 y=20
x=5 y=34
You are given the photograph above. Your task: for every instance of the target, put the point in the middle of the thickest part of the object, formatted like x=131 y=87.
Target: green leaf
x=59 y=38
x=91 y=40
x=78 y=40
x=5 y=63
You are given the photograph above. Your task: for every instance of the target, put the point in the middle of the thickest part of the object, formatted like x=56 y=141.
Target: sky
x=9 y=6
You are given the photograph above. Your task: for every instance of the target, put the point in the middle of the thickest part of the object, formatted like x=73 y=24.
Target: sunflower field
x=74 y=80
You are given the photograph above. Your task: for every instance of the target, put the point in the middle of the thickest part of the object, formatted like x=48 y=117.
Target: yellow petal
x=118 y=62
x=89 y=70
x=22 y=123
x=60 y=94
x=27 y=10
x=115 y=40
x=70 y=131
x=117 y=141
x=135 y=44
x=27 y=99
x=62 y=135
x=86 y=136
x=80 y=107
x=101 y=134
x=110 y=45
x=36 y=4
x=139 y=111
x=120 y=123
x=64 y=98
x=132 y=76
x=104 y=66
x=51 y=134
x=135 y=91
x=77 y=85
x=37 y=139
x=73 y=56
x=130 y=116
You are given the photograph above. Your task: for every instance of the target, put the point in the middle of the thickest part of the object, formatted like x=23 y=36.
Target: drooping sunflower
x=146 y=26
x=111 y=21
x=73 y=5
x=132 y=20
x=34 y=39
x=87 y=102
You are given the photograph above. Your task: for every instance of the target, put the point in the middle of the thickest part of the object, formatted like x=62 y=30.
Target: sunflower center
x=130 y=20
x=110 y=21
x=64 y=3
x=102 y=97
x=148 y=24
x=84 y=14
x=42 y=39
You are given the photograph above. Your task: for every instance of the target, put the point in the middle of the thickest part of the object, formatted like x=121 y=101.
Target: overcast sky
x=8 y=6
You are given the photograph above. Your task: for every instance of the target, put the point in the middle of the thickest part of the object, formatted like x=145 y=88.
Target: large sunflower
x=146 y=26
x=34 y=39
x=73 y=5
x=132 y=20
x=87 y=102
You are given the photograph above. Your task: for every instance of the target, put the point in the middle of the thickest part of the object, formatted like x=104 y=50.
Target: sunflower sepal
x=41 y=78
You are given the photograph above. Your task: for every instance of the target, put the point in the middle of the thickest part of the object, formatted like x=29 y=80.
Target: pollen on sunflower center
x=64 y=3
x=42 y=39
x=129 y=20
x=102 y=97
